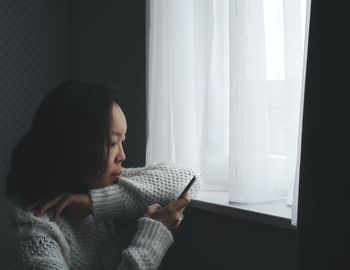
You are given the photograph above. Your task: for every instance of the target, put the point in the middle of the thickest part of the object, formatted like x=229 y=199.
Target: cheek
x=112 y=153
x=105 y=178
x=110 y=162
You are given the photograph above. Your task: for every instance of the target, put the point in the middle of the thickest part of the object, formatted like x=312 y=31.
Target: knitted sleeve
x=148 y=246
x=140 y=187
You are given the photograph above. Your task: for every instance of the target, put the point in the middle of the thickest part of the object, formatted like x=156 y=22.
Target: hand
x=76 y=206
x=170 y=215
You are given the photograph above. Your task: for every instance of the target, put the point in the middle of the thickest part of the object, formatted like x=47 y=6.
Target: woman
x=74 y=196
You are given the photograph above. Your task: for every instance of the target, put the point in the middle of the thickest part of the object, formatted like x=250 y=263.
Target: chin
x=115 y=180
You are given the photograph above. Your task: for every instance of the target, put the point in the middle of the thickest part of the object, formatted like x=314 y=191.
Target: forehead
x=119 y=124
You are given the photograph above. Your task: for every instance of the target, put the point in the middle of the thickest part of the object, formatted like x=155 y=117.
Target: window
x=225 y=92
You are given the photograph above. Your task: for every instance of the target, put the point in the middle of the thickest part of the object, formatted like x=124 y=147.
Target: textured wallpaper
x=33 y=60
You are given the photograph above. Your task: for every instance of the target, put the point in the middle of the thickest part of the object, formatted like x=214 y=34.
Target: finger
x=183 y=202
x=50 y=204
x=181 y=211
x=43 y=208
x=181 y=218
x=188 y=196
x=178 y=222
x=153 y=208
x=61 y=206
x=31 y=206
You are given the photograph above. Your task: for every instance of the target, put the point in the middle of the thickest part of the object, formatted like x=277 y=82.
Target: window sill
x=275 y=214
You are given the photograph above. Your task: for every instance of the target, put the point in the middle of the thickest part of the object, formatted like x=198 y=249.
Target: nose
x=120 y=157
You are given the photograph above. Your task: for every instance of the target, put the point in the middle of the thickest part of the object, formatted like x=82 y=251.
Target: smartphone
x=188 y=187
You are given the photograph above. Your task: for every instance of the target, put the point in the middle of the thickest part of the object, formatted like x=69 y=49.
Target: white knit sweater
x=109 y=238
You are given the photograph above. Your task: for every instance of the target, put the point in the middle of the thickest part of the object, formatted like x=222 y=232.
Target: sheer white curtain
x=224 y=92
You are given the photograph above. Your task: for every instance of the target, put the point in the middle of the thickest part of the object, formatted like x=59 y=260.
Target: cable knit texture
x=116 y=235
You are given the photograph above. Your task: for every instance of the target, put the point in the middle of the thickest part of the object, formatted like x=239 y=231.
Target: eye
x=112 y=145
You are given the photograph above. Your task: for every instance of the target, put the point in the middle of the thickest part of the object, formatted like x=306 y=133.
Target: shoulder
x=39 y=234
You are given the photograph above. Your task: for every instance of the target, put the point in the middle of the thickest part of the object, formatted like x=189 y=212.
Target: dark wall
x=43 y=43
x=33 y=60
x=323 y=214
x=107 y=45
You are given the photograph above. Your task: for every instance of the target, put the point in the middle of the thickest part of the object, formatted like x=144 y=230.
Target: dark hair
x=66 y=145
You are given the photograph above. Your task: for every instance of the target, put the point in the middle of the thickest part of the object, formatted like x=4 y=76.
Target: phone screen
x=187 y=187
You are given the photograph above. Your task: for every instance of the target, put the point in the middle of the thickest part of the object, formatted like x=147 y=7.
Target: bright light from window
x=274 y=39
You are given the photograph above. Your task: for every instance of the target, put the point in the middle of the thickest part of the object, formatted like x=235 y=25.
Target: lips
x=116 y=175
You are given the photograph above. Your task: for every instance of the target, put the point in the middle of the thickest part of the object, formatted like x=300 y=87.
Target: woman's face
x=114 y=169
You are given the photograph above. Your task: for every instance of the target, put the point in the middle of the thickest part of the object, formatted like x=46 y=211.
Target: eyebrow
x=117 y=134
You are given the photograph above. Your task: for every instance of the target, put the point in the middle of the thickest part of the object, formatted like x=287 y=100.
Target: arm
x=148 y=246
x=153 y=237
x=42 y=251
x=45 y=247
x=161 y=183
x=140 y=187
x=114 y=201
